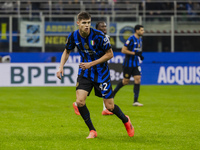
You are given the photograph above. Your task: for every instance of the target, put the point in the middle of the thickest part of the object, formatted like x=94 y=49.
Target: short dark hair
x=83 y=15
x=137 y=27
x=97 y=24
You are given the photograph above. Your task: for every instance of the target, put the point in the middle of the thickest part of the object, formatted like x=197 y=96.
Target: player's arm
x=107 y=56
x=63 y=60
x=126 y=51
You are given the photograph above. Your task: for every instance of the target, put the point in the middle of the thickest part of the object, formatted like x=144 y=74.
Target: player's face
x=84 y=26
x=140 y=32
x=102 y=27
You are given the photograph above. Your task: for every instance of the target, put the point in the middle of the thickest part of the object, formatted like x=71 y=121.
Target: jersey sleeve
x=105 y=43
x=70 y=44
x=107 y=36
x=129 y=42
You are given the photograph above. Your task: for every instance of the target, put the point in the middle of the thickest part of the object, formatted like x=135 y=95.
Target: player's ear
x=77 y=23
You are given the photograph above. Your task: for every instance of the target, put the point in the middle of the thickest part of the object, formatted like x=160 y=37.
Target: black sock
x=136 y=92
x=117 y=111
x=86 y=117
x=119 y=85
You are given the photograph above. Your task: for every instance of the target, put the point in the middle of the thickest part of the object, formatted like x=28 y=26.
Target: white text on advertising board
x=180 y=75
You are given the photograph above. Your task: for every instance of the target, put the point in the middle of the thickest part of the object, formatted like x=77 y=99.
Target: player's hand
x=138 y=53
x=85 y=65
x=141 y=57
x=59 y=73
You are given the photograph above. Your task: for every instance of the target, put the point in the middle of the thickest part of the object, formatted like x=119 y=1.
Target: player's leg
x=104 y=107
x=76 y=108
x=98 y=87
x=136 y=90
x=120 y=85
x=125 y=81
x=109 y=103
x=105 y=90
x=118 y=112
x=83 y=89
x=80 y=100
x=106 y=111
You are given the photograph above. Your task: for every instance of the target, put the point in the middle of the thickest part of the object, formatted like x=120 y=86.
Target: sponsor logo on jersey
x=88 y=51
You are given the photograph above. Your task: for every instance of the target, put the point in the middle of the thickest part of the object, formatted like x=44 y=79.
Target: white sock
x=104 y=107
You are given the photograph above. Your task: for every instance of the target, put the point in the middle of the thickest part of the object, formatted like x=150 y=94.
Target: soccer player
x=131 y=65
x=95 y=50
x=101 y=25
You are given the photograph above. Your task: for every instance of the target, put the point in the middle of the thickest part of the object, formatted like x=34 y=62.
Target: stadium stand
x=155 y=15
x=128 y=7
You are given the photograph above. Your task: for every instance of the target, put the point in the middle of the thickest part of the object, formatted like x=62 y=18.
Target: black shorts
x=131 y=71
x=101 y=89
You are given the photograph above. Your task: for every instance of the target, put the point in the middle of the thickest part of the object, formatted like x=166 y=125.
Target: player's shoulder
x=132 y=36
x=97 y=32
x=107 y=36
x=130 y=40
x=72 y=34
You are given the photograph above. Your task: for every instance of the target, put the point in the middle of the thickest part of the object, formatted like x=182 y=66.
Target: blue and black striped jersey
x=91 y=48
x=135 y=45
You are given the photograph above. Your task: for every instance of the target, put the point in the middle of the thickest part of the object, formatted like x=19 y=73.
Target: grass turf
x=42 y=118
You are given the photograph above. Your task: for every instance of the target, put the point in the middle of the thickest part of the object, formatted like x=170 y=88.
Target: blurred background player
x=131 y=65
x=101 y=25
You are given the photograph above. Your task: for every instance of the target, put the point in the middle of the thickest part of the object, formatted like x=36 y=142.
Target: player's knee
x=125 y=82
x=110 y=108
x=80 y=103
x=137 y=81
x=109 y=104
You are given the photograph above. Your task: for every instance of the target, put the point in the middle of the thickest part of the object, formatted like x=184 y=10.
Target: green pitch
x=42 y=118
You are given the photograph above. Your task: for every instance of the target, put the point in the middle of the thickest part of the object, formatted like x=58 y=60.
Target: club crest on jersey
x=92 y=42
x=86 y=46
